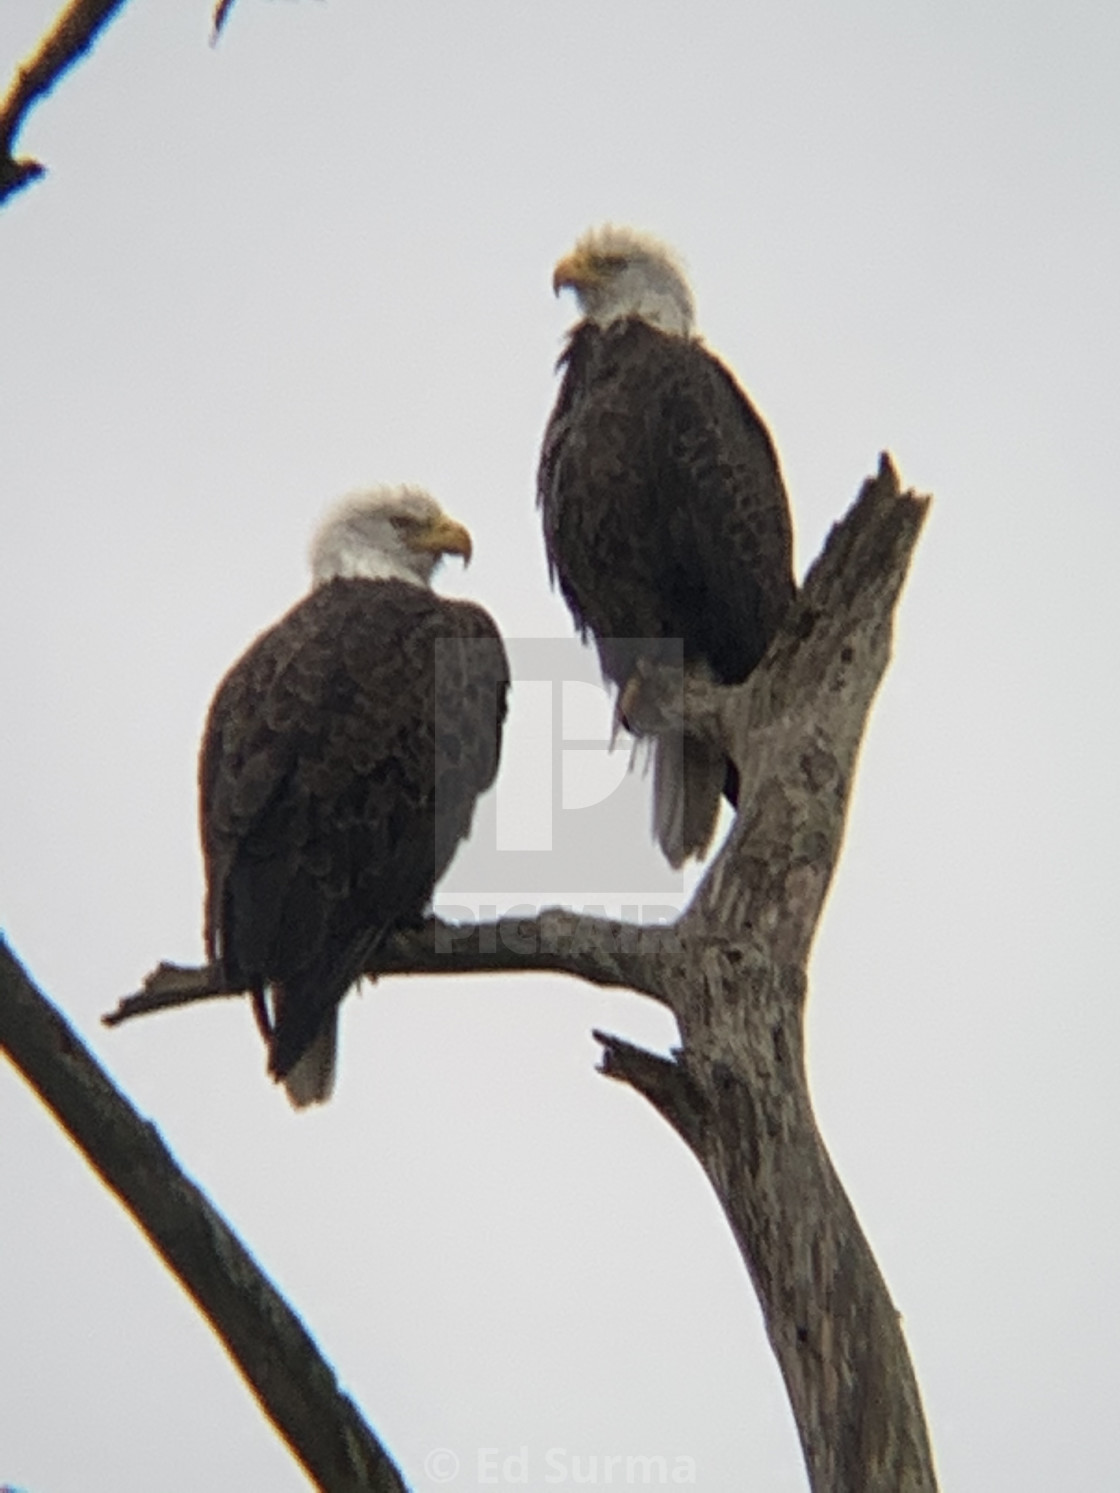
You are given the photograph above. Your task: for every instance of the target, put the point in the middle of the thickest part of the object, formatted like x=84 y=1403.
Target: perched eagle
x=665 y=516
x=341 y=761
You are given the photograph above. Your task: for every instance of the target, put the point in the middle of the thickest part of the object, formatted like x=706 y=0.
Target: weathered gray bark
x=737 y=1091
x=732 y=970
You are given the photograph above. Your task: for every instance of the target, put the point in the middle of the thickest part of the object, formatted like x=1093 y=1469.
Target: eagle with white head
x=340 y=764
x=665 y=515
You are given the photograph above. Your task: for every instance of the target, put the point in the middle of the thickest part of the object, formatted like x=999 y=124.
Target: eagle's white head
x=385 y=533
x=617 y=272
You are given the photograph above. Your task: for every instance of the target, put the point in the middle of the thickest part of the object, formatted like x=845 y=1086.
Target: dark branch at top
x=71 y=36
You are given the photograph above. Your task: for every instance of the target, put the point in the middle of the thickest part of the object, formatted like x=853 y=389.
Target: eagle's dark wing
x=340 y=765
x=719 y=463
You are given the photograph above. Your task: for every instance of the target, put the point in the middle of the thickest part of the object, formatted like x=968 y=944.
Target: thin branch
x=270 y=1346
x=71 y=36
x=221 y=16
x=170 y=985
x=602 y=951
x=662 y=1081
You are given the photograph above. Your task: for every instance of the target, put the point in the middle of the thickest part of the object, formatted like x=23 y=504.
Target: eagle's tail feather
x=310 y=1079
x=304 y=1035
x=688 y=782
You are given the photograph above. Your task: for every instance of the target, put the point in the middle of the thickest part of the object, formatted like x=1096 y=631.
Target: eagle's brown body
x=667 y=525
x=665 y=514
x=340 y=765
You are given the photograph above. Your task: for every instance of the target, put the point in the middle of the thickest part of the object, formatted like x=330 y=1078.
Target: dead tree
x=733 y=972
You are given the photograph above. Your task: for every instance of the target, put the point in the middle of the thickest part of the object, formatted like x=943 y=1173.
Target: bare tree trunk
x=737 y=1091
x=733 y=971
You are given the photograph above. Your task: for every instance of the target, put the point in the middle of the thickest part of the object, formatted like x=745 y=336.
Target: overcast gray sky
x=319 y=256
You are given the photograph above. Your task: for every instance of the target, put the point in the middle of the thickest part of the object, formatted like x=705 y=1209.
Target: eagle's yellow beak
x=445 y=537
x=577 y=270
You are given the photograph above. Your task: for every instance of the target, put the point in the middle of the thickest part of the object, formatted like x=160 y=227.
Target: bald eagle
x=340 y=764
x=665 y=515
